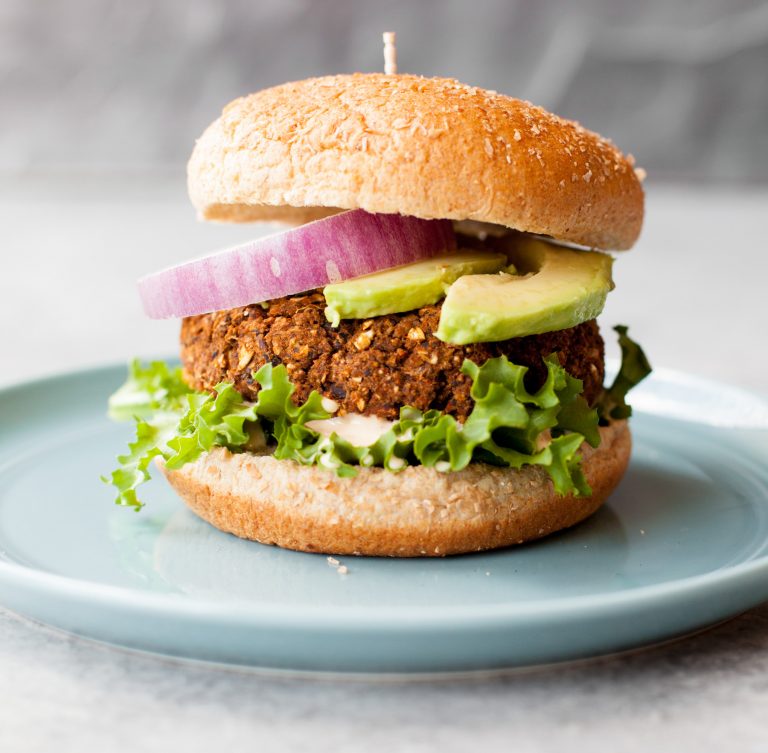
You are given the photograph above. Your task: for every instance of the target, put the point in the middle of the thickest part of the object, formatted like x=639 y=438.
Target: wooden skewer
x=390 y=53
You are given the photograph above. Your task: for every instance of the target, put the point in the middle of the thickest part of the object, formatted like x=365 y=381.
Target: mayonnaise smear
x=360 y=431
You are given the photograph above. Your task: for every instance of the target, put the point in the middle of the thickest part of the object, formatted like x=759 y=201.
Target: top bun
x=427 y=147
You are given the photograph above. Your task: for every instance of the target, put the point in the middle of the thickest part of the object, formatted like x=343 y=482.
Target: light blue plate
x=682 y=544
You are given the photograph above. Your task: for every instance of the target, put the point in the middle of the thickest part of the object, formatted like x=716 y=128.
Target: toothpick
x=390 y=53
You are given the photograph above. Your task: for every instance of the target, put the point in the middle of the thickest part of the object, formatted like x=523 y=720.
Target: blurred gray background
x=101 y=101
x=126 y=85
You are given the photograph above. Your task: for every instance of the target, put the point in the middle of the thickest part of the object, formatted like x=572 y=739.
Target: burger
x=413 y=368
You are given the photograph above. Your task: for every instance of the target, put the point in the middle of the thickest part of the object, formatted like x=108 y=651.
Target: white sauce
x=360 y=431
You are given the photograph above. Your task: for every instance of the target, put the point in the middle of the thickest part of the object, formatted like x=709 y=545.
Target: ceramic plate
x=683 y=543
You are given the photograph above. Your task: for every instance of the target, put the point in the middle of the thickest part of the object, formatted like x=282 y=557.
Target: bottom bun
x=418 y=512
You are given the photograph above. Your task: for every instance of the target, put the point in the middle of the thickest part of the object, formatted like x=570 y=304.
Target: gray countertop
x=706 y=693
x=694 y=295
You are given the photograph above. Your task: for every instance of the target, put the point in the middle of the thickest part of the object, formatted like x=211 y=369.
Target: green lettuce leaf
x=185 y=424
x=634 y=368
x=508 y=426
x=147 y=390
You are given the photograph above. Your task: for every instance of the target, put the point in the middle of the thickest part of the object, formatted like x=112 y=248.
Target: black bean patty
x=370 y=366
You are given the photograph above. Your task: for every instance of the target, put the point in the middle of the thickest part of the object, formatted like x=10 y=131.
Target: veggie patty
x=370 y=366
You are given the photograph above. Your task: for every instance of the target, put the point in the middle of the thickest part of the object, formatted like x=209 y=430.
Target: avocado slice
x=556 y=288
x=408 y=287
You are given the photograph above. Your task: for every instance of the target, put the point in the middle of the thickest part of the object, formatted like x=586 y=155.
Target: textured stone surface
x=706 y=693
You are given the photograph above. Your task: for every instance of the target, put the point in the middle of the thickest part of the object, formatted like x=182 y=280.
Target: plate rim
x=349 y=617
x=362 y=616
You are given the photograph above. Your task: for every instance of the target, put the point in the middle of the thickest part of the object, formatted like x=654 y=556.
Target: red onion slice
x=311 y=256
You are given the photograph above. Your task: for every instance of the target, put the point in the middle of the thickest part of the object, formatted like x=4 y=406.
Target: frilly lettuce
x=508 y=426
x=148 y=389
x=634 y=368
